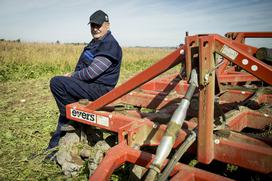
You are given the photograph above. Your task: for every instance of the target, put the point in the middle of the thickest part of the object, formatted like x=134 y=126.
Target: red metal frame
x=123 y=153
x=228 y=73
x=137 y=128
x=207 y=150
x=241 y=36
x=244 y=60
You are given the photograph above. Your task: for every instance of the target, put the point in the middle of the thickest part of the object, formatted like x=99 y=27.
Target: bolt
x=134 y=136
x=216 y=141
x=181 y=52
x=206 y=78
x=124 y=133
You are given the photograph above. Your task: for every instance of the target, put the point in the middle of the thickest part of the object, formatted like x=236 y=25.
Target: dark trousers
x=67 y=90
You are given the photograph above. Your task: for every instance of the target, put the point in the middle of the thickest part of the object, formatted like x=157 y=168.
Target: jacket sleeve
x=96 y=68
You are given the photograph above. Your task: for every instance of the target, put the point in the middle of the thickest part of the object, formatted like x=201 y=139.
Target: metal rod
x=173 y=127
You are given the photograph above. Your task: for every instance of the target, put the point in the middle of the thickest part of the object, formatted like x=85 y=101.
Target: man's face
x=99 y=31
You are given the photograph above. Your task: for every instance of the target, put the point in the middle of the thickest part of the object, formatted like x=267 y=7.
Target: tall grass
x=33 y=60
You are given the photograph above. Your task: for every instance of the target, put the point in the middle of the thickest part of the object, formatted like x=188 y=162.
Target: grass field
x=28 y=111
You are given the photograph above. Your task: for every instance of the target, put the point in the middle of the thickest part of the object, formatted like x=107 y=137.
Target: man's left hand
x=68 y=74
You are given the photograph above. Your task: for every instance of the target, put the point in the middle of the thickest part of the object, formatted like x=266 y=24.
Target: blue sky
x=133 y=22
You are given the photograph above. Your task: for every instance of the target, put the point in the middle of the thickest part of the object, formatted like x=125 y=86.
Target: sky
x=133 y=22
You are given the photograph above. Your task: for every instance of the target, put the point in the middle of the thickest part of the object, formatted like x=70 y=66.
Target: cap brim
x=96 y=22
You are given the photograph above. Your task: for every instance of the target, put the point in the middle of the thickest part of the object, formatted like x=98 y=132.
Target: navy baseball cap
x=99 y=17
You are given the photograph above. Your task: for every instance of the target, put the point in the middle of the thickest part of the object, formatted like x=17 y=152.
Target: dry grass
x=28 y=110
x=40 y=53
x=21 y=61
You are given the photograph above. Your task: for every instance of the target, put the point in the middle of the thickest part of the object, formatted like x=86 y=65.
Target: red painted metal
x=244 y=151
x=227 y=73
x=122 y=153
x=243 y=59
x=231 y=77
x=241 y=36
x=206 y=99
x=247 y=118
x=224 y=142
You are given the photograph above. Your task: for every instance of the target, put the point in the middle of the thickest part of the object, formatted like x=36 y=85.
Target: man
x=96 y=72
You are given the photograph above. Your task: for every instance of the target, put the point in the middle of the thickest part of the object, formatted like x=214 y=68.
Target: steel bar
x=241 y=58
x=205 y=149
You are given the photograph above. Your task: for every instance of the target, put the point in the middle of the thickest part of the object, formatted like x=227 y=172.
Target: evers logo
x=83 y=115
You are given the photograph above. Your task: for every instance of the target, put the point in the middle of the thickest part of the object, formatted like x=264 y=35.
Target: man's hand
x=68 y=74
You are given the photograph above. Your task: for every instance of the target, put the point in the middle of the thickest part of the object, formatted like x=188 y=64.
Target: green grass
x=28 y=111
x=28 y=115
x=20 y=61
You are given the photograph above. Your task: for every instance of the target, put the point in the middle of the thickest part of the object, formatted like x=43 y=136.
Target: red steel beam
x=241 y=77
x=122 y=153
x=148 y=100
x=241 y=58
x=206 y=100
x=257 y=34
x=236 y=96
x=238 y=41
x=166 y=85
x=240 y=36
x=191 y=53
x=245 y=152
x=248 y=118
x=251 y=34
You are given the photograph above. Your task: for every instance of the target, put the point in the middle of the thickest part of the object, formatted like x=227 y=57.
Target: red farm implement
x=213 y=108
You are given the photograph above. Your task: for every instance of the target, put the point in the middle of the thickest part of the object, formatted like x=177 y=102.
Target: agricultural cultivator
x=217 y=107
